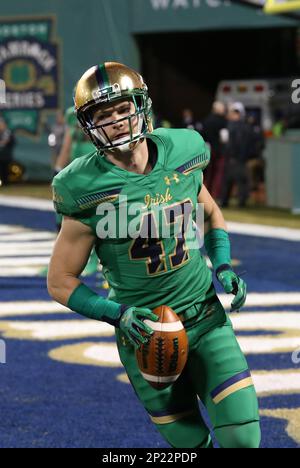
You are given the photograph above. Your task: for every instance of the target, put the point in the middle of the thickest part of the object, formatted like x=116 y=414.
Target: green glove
x=131 y=323
x=232 y=283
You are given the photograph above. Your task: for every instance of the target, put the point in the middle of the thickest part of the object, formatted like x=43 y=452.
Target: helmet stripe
x=101 y=76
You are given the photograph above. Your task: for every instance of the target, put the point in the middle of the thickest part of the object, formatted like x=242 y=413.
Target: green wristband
x=217 y=246
x=86 y=302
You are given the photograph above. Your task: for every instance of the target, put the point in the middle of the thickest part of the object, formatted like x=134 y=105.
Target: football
x=163 y=358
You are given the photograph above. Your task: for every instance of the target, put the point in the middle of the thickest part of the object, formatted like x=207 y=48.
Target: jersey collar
x=139 y=178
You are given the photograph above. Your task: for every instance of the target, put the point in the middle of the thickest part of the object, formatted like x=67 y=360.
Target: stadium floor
x=63 y=384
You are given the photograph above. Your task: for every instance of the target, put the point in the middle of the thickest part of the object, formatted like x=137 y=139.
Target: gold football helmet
x=107 y=83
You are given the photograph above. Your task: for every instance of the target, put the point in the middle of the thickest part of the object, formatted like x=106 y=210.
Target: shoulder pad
x=186 y=150
x=76 y=189
x=62 y=198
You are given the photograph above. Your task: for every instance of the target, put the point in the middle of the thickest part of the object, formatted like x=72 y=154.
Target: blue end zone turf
x=47 y=402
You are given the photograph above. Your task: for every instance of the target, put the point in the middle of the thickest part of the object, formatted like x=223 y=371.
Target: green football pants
x=217 y=373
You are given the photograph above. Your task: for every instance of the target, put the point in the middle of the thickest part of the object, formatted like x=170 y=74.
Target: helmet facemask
x=139 y=123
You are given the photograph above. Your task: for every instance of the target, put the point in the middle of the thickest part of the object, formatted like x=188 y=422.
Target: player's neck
x=136 y=160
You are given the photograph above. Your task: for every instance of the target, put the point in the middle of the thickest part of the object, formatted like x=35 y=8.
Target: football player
x=159 y=168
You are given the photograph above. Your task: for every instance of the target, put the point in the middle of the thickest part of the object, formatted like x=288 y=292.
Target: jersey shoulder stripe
x=91 y=200
x=83 y=185
x=199 y=162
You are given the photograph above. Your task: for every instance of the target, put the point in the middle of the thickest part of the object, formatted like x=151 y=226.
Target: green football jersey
x=148 y=249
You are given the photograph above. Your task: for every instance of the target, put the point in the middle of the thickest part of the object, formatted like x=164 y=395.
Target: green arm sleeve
x=86 y=302
x=217 y=246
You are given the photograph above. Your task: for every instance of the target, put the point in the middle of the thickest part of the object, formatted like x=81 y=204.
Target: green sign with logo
x=29 y=67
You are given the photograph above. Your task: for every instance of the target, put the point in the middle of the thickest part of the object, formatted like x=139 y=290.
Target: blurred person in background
x=75 y=142
x=160 y=121
x=188 y=120
x=56 y=136
x=215 y=134
x=280 y=124
x=256 y=162
x=238 y=151
x=7 y=142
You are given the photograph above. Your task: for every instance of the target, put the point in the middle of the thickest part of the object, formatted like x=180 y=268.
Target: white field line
x=57 y=329
x=277 y=321
x=260 y=230
x=264 y=299
x=275 y=381
x=27 y=202
x=25 y=253
x=263 y=344
x=23 y=261
x=15 y=308
x=15 y=272
x=28 y=236
x=8 y=229
x=6 y=247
